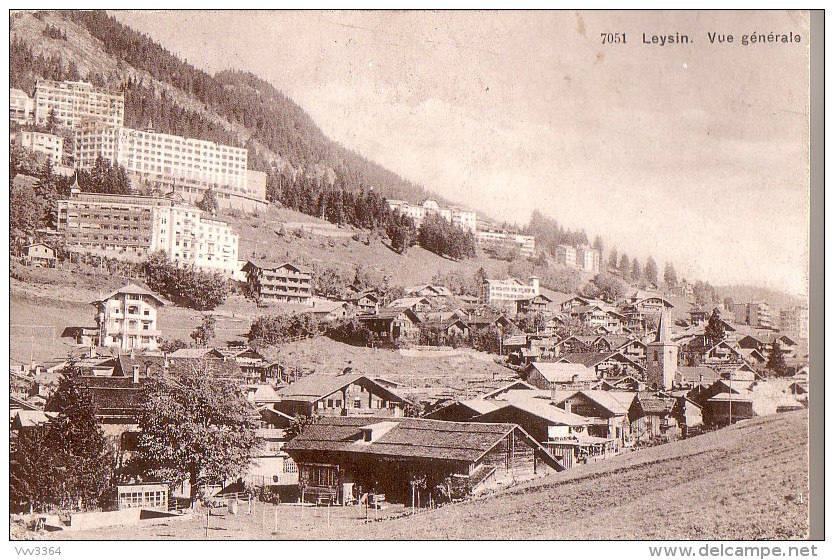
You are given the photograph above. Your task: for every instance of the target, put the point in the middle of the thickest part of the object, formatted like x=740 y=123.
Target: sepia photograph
x=360 y=275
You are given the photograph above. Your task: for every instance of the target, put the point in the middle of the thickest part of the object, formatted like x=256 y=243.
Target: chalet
x=271 y=465
x=415 y=304
x=448 y=328
x=647 y=302
x=575 y=343
x=604 y=364
x=690 y=376
x=550 y=375
x=429 y=291
x=341 y=458
x=367 y=303
x=515 y=343
x=538 y=416
x=39 y=254
x=608 y=343
x=479 y=322
x=328 y=310
x=347 y=394
x=722 y=353
x=283 y=282
x=539 y=303
x=699 y=316
x=253 y=365
x=610 y=409
x=634 y=350
x=393 y=324
x=619 y=383
x=553 y=324
x=595 y=316
x=577 y=301
x=763 y=342
x=657 y=418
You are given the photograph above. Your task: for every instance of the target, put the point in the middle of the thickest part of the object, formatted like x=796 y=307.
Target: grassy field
x=463 y=374
x=259 y=237
x=749 y=481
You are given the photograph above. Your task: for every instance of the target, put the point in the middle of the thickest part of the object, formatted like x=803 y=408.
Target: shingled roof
x=410 y=437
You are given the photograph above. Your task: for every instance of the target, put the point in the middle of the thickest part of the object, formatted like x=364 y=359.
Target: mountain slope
x=241 y=107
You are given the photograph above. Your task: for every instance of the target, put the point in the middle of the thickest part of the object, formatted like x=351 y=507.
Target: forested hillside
x=281 y=137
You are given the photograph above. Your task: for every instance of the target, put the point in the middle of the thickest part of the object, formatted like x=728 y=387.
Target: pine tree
x=636 y=272
x=650 y=272
x=776 y=360
x=79 y=442
x=670 y=277
x=625 y=266
x=612 y=259
x=714 y=331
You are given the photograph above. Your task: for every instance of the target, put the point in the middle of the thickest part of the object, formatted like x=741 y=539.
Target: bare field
x=749 y=481
x=464 y=373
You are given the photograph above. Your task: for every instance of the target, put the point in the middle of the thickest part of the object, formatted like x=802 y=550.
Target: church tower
x=662 y=356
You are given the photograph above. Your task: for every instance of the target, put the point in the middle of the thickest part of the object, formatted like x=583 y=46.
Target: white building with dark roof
x=126 y=318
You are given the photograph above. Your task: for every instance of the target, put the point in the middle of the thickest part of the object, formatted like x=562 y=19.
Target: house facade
x=283 y=282
x=126 y=319
x=340 y=395
x=343 y=457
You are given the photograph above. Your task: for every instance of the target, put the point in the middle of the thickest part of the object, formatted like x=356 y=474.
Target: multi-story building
x=566 y=255
x=126 y=319
x=755 y=314
x=488 y=239
x=587 y=259
x=510 y=290
x=794 y=320
x=464 y=219
x=21 y=107
x=187 y=166
x=114 y=225
x=189 y=238
x=77 y=103
x=283 y=282
x=41 y=142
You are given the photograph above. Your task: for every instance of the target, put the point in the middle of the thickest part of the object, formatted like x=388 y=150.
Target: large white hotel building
x=185 y=165
x=78 y=103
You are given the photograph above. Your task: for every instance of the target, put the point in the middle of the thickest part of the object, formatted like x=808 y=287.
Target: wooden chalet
x=608 y=409
x=559 y=375
x=393 y=324
x=605 y=364
x=366 y=303
x=340 y=459
x=415 y=304
x=349 y=394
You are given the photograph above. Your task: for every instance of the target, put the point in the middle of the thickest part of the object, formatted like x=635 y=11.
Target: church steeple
x=662 y=356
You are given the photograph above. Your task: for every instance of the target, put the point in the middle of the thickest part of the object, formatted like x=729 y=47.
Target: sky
x=692 y=153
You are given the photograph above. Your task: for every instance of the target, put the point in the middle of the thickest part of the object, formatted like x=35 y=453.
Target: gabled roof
x=558 y=372
x=540 y=408
x=472 y=407
x=588 y=359
x=314 y=387
x=132 y=289
x=391 y=313
x=266 y=265
x=657 y=405
x=409 y=302
x=517 y=385
x=196 y=353
x=408 y=437
x=697 y=374
x=612 y=401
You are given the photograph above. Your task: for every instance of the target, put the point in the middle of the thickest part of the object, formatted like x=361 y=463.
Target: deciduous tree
x=196 y=427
